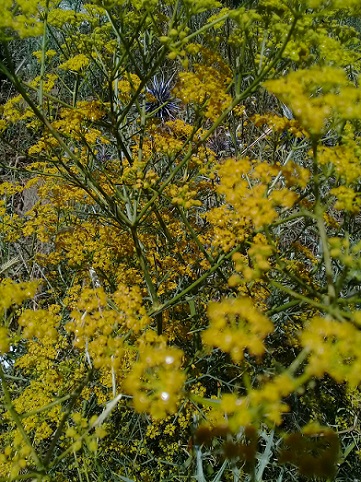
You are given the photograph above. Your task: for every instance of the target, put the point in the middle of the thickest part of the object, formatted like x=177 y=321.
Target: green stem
x=319 y=211
x=326 y=254
x=60 y=430
x=195 y=236
x=46 y=407
x=284 y=307
x=17 y=420
x=335 y=312
x=194 y=286
x=43 y=55
x=148 y=280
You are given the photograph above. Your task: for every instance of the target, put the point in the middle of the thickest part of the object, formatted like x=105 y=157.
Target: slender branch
x=194 y=286
x=45 y=407
x=335 y=312
x=16 y=417
x=74 y=397
x=326 y=254
x=148 y=280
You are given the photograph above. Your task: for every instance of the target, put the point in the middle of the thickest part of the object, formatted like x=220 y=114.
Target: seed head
x=161 y=104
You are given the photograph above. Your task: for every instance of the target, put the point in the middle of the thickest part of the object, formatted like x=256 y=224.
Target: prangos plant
x=182 y=308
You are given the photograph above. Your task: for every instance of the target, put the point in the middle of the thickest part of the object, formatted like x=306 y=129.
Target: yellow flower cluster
x=58 y=17
x=347 y=199
x=316 y=96
x=73 y=122
x=37 y=396
x=24 y=18
x=12 y=293
x=183 y=196
x=41 y=324
x=16 y=109
x=42 y=220
x=76 y=63
x=255 y=264
x=15 y=457
x=39 y=360
x=165 y=142
x=4 y=340
x=250 y=202
x=132 y=313
x=156 y=379
x=13 y=109
x=262 y=405
x=236 y=326
x=278 y=124
x=71 y=119
x=349 y=255
x=126 y=87
x=268 y=402
x=168 y=139
x=295 y=175
x=87 y=241
x=206 y=87
x=229 y=230
x=331 y=351
x=35 y=402
x=100 y=323
x=345 y=159
x=80 y=432
x=49 y=54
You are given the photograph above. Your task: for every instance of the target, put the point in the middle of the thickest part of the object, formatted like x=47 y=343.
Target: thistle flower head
x=161 y=102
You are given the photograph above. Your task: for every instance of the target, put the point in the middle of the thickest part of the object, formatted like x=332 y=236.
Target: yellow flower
x=347 y=199
x=76 y=63
x=235 y=326
x=156 y=380
x=12 y=293
x=206 y=86
x=316 y=96
x=4 y=340
x=331 y=349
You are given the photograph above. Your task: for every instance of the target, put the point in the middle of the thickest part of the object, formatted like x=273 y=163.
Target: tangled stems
x=60 y=429
x=17 y=420
x=195 y=286
x=151 y=288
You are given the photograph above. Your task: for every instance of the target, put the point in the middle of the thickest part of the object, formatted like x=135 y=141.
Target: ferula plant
x=180 y=238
